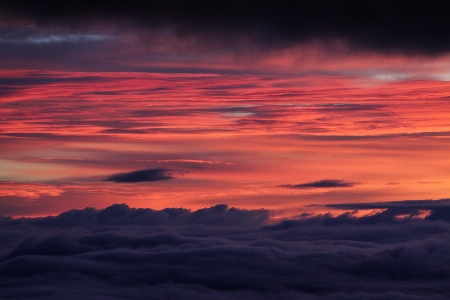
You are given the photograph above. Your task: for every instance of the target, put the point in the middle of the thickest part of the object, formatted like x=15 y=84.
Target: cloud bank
x=224 y=253
x=416 y=27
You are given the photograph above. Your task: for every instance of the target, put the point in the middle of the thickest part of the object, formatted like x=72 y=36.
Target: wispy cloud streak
x=140 y=176
x=326 y=183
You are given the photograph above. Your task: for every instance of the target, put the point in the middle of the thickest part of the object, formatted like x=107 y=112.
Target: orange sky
x=242 y=139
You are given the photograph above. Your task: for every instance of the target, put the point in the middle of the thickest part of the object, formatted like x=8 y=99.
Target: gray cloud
x=141 y=176
x=326 y=183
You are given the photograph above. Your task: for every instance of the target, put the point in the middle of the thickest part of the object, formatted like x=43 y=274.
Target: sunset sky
x=225 y=149
x=256 y=104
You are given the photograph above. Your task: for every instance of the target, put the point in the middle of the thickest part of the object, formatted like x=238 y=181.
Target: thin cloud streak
x=141 y=176
x=326 y=183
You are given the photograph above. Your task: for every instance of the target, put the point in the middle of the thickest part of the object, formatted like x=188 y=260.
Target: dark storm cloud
x=222 y=253
x=141 y=176
x=416 y=26
x=326 y=183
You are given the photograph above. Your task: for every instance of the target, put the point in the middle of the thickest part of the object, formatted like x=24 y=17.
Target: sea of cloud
x=227 y=253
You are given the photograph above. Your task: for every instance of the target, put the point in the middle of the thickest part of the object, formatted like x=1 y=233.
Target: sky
x=225 y=149
x=189 y=104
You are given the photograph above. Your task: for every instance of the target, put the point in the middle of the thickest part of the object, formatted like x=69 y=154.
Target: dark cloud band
x=141 y=176
x=326 y=183
x=416 y=26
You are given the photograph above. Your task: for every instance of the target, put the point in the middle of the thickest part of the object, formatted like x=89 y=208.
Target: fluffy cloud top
x=223 y=253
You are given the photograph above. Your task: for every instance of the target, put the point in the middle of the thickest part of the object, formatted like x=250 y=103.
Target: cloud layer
x=386 y=26
x=223 y=253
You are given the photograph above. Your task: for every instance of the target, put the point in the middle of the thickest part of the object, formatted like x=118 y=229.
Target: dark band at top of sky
x=411 y=27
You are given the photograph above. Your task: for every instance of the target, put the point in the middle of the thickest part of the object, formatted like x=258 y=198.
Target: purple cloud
x=140 y=176
x=224 y=253
x=326 y=183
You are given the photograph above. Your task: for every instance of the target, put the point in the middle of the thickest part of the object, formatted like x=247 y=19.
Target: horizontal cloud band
x=326 y=183
x=387 y=26
x=141 y=176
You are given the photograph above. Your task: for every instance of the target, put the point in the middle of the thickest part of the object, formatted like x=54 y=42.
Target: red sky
x=233 y=139
x=279 y=127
